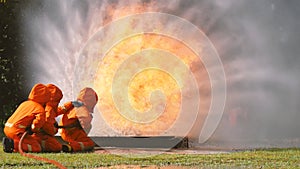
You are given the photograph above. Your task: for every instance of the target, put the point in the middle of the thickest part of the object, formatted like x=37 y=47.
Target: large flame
x=151 y=92
x=144 y=83
x=121 y=33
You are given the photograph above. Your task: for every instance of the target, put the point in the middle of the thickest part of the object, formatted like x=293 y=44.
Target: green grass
x=270 y=158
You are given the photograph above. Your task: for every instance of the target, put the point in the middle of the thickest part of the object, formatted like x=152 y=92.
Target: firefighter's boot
x=66 y=148
x=8 y=145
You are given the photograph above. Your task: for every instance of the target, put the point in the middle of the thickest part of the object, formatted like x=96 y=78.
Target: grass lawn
x=270 y=158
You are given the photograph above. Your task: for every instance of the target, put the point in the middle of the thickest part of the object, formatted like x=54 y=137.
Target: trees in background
x=12 y=68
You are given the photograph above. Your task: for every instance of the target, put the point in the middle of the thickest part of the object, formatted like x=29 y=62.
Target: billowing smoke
x=257 y=41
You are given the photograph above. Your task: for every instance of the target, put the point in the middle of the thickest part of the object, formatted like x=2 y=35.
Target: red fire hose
x=59 y=165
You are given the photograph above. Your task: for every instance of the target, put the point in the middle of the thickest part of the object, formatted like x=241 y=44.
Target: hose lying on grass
x=59 y=165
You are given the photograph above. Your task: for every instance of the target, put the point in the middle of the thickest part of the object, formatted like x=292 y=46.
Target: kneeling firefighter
x=46 y=136
x=30 y=117
x=76 y=123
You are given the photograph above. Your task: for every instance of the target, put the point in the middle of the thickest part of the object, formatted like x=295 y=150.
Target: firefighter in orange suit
x=46 y=136
x=30 y=117
x=76 y=124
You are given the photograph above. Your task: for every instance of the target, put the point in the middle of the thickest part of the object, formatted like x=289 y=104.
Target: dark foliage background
x=13 y=85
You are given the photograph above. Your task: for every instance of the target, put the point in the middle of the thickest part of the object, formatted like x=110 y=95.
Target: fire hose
x=59 y=165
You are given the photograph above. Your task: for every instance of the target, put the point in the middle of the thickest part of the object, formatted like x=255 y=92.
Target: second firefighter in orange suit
x=77 y=123
x=46 y=136
x=29 y=116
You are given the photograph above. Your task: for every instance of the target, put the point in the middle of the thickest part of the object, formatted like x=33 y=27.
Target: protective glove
x=77 y=103
x=29 y=131
x=56 y=125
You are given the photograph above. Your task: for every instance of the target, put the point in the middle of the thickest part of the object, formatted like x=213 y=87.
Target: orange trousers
x=29 y=144
x=48 y=143
x=78 y=139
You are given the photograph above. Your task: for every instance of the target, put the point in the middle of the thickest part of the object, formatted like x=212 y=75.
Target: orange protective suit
x=29 y=114
x=46 y=136
x=78 y=122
